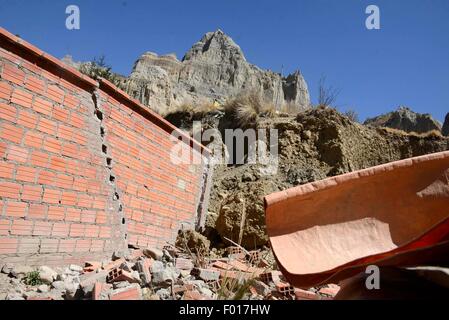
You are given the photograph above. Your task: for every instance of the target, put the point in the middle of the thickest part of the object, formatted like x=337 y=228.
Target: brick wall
x=84 y=168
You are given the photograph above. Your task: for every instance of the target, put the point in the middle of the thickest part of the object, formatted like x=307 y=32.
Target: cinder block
x=117 y=274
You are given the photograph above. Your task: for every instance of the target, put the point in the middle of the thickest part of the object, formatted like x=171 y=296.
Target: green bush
x=33 y=278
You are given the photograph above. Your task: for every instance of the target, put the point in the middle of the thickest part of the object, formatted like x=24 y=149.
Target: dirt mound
x=313 y=145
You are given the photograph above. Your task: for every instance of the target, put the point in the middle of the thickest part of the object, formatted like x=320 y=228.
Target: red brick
x=73 y=214
x=42 y=228
x=27 y=119
x=46 y=177
x=16 y=153
x=8 y=245
x=6 y=170
x=56 y=213
x=13 y=73
x=22 y=98
x=11 y=132
x=5 y=91
x=27 y=174
x=97 y=246
x=8 y=112
x=33 y=139
x=69 y=198
x=42 y=106
x=52 y=145
x=49 y=246
x=37 y=211
x=55 y=93
x=34 y=84
x=100 y=290
x=39 y=159
x=82 y=245
x=64 y=181
x=21 y=227
x=9 y=190
x=69 y=150
x=88 y=216
x=60 y=230
x=31 y=193
x=16 y=209
x=2 y=149
x=77 y=121
x=92 y=231
x=47 y=126
x=4 y=227
x=60 y=114
x=77 y=230
x=57 y=163
x=51 y=196
x=67 y=245
x=28 y=245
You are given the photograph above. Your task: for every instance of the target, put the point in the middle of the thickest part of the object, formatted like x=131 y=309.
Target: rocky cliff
x=445 y=129
x=316 y=144
x=213 y=70
x=407 y=120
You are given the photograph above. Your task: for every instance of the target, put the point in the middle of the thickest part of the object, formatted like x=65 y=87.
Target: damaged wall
x=84 y=169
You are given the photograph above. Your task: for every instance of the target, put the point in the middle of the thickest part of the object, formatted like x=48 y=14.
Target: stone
x=76 y=268
x=71 y=288
x=143 y=267
x=58 y=285
x=445 y=129
x=405 y=119
x=7 y=268
x=163 y=294
x=167 y=256
x=154 y=253
x=21 y=271
x=156 y=266
x=162 y=278
x=43 y=288
x=88 y=280
x=47 y=274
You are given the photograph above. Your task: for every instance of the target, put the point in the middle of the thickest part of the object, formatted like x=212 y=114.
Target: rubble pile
x=153 y=274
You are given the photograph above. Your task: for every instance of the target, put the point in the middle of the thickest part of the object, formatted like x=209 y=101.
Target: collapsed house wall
x=84 y=169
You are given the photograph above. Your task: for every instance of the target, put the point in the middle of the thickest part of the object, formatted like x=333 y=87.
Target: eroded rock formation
x=407 y=120
x=213 y=70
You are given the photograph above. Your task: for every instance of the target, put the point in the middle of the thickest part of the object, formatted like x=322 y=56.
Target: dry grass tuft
x=429 y=134
x=247 y=108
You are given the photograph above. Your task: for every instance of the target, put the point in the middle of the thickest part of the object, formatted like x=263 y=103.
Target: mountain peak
x=215 y=44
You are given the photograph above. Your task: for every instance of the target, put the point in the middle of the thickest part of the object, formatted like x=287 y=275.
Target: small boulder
x=47 y=274
x=154 y=253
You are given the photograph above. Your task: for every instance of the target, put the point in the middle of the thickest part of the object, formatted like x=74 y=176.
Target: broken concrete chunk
x=154 y=253
x=47 y=274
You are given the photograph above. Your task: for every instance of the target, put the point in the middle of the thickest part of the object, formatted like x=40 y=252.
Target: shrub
x=33 y=278
x=247 y=108
x=351 y=115
x=98 y=68
x=327 y=95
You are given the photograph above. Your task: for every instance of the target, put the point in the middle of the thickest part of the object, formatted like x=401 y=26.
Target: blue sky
x=406 y=62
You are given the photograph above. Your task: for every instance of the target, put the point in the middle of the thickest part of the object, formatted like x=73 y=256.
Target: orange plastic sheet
x=396 y=214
